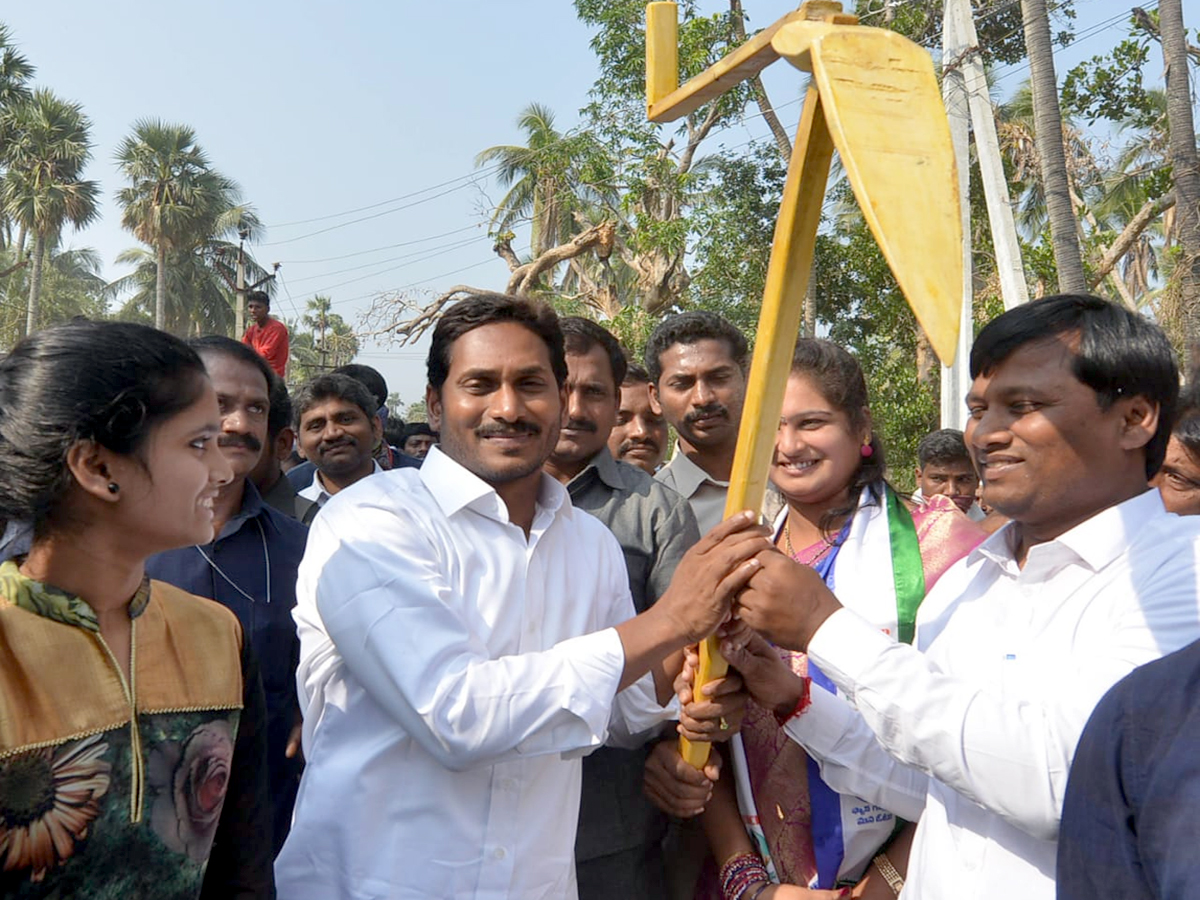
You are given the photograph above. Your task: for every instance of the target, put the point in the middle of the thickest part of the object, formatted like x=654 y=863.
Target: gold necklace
x=791 y=551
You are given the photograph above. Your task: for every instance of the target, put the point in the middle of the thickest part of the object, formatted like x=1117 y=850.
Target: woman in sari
x=881 y=554
x=132 y=721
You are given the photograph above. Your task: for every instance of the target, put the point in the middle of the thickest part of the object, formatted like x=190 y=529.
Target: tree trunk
x=1185 y=169
x=808 y=323
x=1049 y=140
x=35 y=284
x=160 y=289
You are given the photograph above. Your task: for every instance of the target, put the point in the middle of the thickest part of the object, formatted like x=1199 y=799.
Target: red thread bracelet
x=801 y=705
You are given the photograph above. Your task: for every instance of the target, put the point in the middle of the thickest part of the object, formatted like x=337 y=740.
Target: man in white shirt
x=466 y=636
x=973 y=730
x=697 y=365
x=336 y=427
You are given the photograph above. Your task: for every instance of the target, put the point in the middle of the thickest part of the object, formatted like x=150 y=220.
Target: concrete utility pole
x=240 y=291
x=991 y=166
x=969 y=107
x=956 y=377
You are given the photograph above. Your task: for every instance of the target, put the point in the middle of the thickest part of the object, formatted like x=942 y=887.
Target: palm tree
x=1185 y=165
x=546 y=179
x=1064 y=234
x=175 y=200
x=15 y=72
x=199 y=284
x=43 y=190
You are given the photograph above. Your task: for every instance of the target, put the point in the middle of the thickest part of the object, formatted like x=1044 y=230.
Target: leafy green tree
x=199 y=287
x=175 y=201
x=548 y=179
x=15 y=74
x=44 y=189
x=416 y=412
x=320 y=341
x=71 y=286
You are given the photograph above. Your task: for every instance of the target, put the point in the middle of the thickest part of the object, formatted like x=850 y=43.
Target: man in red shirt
x=268 y=336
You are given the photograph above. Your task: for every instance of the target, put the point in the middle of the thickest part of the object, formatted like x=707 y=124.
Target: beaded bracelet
x=801 y=705
x=740 y=873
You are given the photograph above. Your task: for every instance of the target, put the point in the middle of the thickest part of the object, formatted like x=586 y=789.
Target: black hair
x=332 y=387
x=393 y=431
x=412 y=429
x=635 y=374
x=1118 y=354
x=218 y=343
x=946 y=445
x=690 y=328
x=259 y=297
x=838 y=377
x=279 y=415
x=108 y=382
x=490 y=309
x=580 y=335
x=369 y=378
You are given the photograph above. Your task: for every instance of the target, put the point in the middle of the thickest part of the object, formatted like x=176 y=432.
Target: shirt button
x=499 y=853
x=508 y=785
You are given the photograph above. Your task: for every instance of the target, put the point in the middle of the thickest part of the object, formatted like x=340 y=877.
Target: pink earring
x=866 y=450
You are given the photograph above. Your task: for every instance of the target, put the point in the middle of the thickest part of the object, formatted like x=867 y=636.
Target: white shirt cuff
x=846 y=648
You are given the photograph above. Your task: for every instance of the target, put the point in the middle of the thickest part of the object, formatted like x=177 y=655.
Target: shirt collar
x=604 y=467
x=54 y=603
x=689 y=476
x=455 y=487
x=1096 y=541
x=252 y=505
x=316 y=490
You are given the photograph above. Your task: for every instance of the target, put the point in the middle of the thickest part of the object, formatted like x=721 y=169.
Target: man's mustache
x=249 y=441
x=326 y=446
x=582 y=425
x=630 y=443
x=713 y=409
x=511 y=430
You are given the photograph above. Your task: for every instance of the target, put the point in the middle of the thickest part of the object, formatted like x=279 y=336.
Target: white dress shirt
x=705 y=494
x=452 y=671
x=315 y=490
x=981 y=726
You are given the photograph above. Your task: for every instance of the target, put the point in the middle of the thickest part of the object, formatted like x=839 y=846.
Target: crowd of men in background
x=291 y=454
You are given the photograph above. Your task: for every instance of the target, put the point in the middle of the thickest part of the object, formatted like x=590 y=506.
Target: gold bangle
x=894 y=879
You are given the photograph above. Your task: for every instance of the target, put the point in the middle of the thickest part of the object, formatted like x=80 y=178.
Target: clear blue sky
x=317 y=109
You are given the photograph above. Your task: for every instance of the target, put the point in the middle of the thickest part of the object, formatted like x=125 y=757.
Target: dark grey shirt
x=655 y=527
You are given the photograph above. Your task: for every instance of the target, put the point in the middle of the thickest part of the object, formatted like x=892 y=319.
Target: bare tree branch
x=782 y=140
x=1150 y=211
x=22 y=264
x=385 y=315
x=598 y=238
x=696 y=136
x=503 y=249
x=1144 y=19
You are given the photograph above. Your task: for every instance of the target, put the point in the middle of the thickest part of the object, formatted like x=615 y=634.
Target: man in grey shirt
x=697 y=364
x=618 y=846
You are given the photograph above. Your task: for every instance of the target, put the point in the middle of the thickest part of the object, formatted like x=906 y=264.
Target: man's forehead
x=1037 y=364
x=705 y=354
x=951 y=465
x=331 y=406
x=498 y=346
x=593 y=366
x=229 y=374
